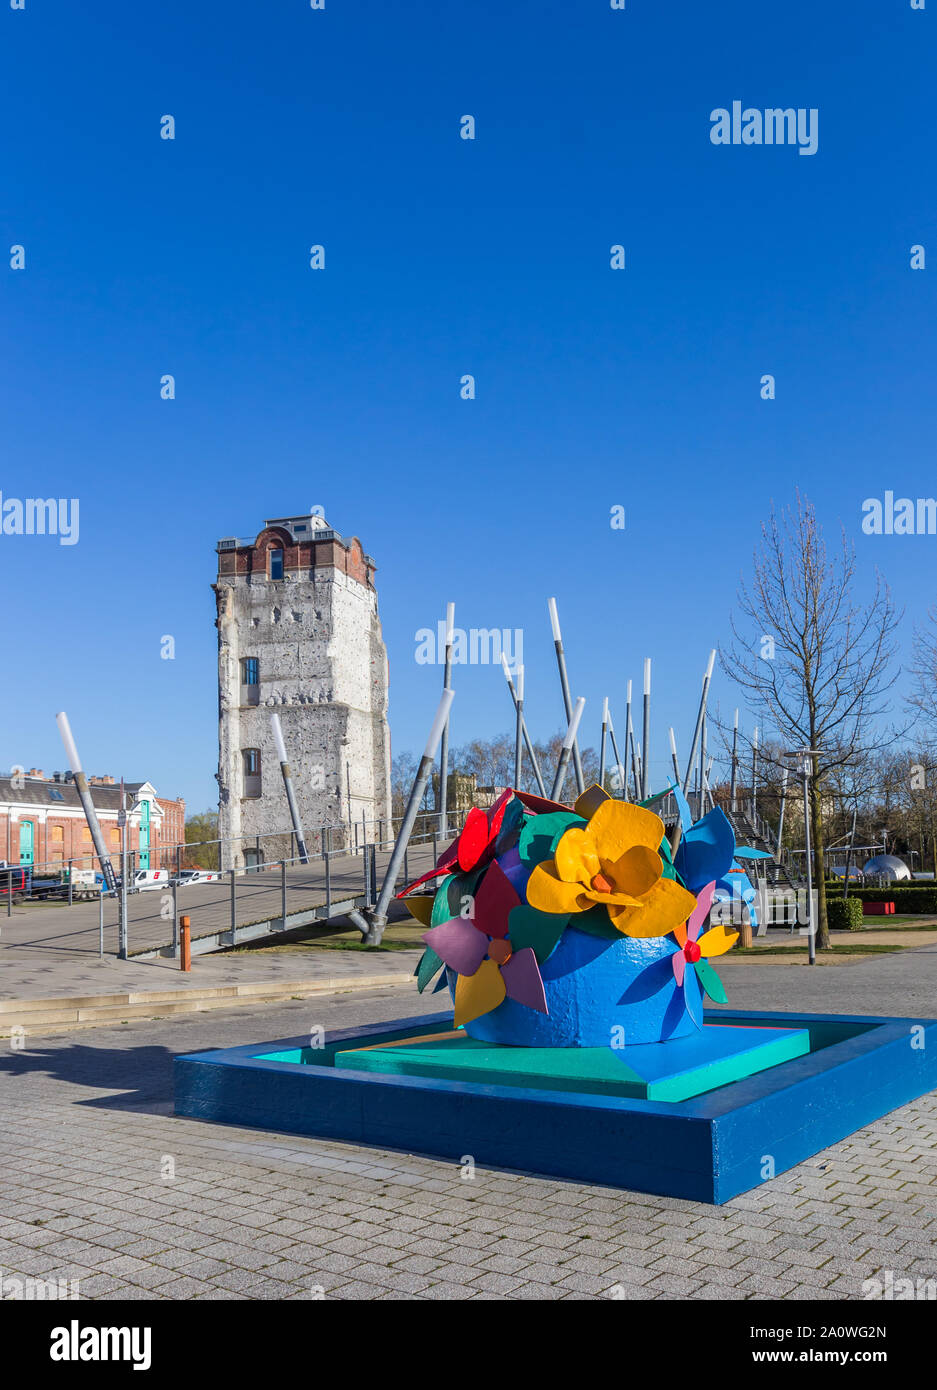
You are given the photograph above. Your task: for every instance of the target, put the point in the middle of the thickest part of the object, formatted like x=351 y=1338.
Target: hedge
x=844 y=912
x=910 y=897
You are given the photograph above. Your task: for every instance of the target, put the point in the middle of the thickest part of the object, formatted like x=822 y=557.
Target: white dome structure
x=886 y=866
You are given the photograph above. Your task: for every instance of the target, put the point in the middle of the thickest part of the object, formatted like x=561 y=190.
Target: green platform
x=670 y=1071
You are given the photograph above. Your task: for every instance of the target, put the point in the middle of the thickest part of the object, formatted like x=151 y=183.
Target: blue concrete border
x=707 y=1149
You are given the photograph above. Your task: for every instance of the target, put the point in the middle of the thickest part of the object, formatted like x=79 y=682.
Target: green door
x=144 y=861
x=26 y=841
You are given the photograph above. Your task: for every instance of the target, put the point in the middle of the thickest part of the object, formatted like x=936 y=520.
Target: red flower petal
x=474 y=839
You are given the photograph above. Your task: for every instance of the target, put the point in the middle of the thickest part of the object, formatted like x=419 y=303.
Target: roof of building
x=37 y=791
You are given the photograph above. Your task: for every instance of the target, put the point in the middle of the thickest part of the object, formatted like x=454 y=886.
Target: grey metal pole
x=673 y=757
x=70 y=877
x=101 y=922
x=604 y=739
x=617 y=759
x=852 y=840
x=646 y=735
x=702 y=768
x=691 y=761
x=754 y=773
x=84 y=796
x=9 y=892
x=812 y=939
x=378 y=917
x=175 y=917
x=234 y=909
x=535 y=765
x=283 y=891
x=123 y=930
x=734 y=779
x=519 y=728
x=629 y=744
x=444 y=743
x=569 y=742
x=784 y=776
x=564 y=683
x=288 y=787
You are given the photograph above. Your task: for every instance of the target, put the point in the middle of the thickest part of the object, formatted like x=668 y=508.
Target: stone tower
x=299 y=635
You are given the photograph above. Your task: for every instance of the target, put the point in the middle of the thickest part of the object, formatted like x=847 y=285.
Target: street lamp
x=802 y=761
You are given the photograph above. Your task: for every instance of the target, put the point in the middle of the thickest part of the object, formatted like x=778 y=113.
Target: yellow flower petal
x=617 y=825
x=636 y=871
x=717 y=941
x=479 y=993
x=421 y=908
x=548 y=893
x=589 y=801
x=575 y=858
x=666 y=907
x=616 y=899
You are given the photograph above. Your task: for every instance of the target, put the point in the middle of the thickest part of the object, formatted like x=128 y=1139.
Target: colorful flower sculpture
x=553 y=922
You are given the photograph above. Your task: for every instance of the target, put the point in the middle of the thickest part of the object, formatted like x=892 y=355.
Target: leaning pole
x=372 y=921
x=288 y=786
x=84 y=796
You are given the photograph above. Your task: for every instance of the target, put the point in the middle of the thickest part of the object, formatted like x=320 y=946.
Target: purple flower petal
x=460 y=944
x=521 y=976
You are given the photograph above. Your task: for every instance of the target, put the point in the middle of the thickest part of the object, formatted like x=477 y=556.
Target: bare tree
x=815 y=663
x=923 y=667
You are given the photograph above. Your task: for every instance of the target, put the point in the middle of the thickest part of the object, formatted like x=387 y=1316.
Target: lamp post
x=802 y=761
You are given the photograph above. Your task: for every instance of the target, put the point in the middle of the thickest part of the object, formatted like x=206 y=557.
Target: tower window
x=250 y=681
x=275 y=560
x=251 y=761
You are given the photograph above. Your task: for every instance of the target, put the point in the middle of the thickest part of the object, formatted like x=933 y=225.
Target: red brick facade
x=55 y=823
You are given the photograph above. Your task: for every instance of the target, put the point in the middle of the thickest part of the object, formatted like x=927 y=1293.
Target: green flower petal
x=710 y=981
x=540 y=835
x=539 y=930
x=429 y=966
x=597 y=923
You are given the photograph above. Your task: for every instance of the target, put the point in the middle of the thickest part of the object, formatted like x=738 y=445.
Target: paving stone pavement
x=102 y=1184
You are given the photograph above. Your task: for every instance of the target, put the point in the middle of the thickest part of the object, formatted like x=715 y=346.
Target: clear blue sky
x=595 y=388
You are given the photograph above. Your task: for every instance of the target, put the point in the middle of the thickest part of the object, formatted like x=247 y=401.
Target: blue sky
x=340 y=388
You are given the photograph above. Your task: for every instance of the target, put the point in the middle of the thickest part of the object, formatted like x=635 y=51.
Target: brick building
x=42 y=822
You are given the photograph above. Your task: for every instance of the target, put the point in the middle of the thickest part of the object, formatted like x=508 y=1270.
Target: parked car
x=189 y=876
x=145 y=879
x=16 y=881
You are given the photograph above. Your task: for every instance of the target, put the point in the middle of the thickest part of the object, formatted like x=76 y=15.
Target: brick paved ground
x=87 y=1136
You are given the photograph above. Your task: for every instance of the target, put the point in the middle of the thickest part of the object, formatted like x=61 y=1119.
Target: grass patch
x=853 y=949
x=405 y=935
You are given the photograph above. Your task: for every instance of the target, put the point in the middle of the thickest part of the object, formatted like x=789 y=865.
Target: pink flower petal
x=522 y=980
x=700 y=912
x=679 y=966
x=459 y=944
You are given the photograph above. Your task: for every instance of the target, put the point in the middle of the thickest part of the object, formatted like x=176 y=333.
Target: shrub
x=843 y=913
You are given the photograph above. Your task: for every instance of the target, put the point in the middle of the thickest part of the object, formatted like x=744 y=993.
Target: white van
x=145 y=879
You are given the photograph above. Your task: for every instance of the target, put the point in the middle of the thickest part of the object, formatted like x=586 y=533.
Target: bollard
x=185 y=932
